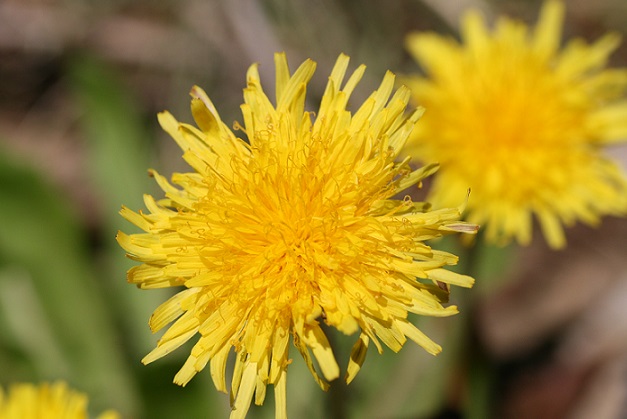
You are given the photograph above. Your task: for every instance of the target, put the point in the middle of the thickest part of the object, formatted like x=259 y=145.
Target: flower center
x=512 y=127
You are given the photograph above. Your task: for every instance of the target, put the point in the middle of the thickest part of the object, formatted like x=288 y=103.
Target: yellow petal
x=317 y=341
x=547 y=34
x=450 y=277
x=357 y=357
x=245 y=392
x=417 y=336
x=218 y=367
x=280 y=396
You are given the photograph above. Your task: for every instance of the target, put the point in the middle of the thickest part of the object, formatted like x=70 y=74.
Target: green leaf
x=119 y=154
x=55 y=291
x=119 y=157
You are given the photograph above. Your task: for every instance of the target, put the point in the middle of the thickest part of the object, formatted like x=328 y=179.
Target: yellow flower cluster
x=46 y=401
x=293 y=225
x=522 y=124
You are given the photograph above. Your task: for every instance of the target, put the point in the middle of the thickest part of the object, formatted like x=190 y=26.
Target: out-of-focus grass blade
x=119 y=157
x=40 y=235
x=491 y=267
x=479 y=403
x=27 y=337
x=119 y=143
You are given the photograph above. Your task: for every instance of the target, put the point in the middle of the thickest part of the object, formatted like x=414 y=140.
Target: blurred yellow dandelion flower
x=45 y=401
x=522 y=124
x=296 y=226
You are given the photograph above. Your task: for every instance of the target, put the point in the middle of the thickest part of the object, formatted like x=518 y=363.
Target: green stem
x=337 y=397
x=485 y=264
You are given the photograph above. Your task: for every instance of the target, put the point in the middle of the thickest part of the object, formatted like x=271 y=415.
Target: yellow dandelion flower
x=45 y=401
x=296 y=226
x=522 y=124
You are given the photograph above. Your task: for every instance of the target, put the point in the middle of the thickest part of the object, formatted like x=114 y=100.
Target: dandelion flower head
x=269 y=237
x=45 y=401
x=522 y=123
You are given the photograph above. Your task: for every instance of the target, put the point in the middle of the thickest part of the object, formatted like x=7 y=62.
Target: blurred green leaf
x=119 y=157
x=119 y=153
x=28 y=341
x=41 y=235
